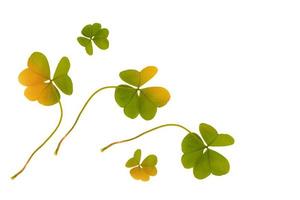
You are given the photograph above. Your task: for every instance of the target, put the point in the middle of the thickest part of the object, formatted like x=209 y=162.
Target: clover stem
x=42 y=144
x=143 y=133
x=78 y=116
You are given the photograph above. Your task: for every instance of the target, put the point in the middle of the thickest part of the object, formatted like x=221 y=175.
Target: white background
x=233 y=64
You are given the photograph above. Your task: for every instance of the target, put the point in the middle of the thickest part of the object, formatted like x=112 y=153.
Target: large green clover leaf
x=136 y=100
x=94 y=33
x=200 y=157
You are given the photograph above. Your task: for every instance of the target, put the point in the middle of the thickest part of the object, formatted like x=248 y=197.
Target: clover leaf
x=40 y=86
x=200 y=157
x=136 y=100
x=142 y=171
x=94 y=32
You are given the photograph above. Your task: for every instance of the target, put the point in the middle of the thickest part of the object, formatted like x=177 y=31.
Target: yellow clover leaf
x=142 y=171
x=40 y=87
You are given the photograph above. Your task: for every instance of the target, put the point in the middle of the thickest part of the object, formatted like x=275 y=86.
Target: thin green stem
x=42 y=144
x=78 y=116
x=143 y=133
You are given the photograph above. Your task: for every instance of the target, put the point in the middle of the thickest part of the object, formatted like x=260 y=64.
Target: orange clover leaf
x=40 y=87
x=142 y=171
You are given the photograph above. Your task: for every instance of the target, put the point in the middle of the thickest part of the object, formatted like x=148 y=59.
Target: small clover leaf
x=136 y=100
x=40 y=86
x=144 y=170
x=200 y=157
x=94 y=32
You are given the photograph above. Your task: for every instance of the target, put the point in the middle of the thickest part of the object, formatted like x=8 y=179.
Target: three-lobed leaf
x=39 y=84
x=200 y=157
x=144 y=170
x=136 y=100
x=94 y=33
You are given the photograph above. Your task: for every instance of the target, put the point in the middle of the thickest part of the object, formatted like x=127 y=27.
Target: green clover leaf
x=61 y=77
x=212 y=138
x=94 y=32
x=200 y=157
x=142 y=171
x=136 y=100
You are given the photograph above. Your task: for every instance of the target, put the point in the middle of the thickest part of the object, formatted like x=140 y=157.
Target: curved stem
x=42 y=144
x=78 y=116
x=143 y=133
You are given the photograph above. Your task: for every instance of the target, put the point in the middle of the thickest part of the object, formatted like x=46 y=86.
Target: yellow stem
x=78 y=116
x=143 y=133
x=42 y=144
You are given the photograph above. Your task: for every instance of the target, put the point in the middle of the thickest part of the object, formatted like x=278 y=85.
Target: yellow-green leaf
x=208 y=133
x=202 y=169
x=149 y=161
x=146 y=74
x=38 y=63
x=131 y=109
x=89 y=48
x=159 y=96
x=87 y=31
x=131 y=77
x=124 y=94
x=146 y=107
x=83 y=41
x=135 y=160
x=223 y=140
x=61 y=78
x=219 y=164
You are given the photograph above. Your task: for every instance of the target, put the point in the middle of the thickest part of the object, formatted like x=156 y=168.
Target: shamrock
x=200 y=157
x=94 y=32
x=137 y=101
x=40 y=86
x=144 y=170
